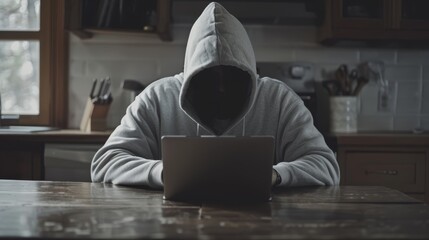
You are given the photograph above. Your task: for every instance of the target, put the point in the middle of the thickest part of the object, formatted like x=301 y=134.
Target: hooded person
x=218 y=93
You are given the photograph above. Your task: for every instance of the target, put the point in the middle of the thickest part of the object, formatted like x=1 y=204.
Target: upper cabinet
x=336 y=19
x=86 y=17
x=412 y=14
x=375 y=20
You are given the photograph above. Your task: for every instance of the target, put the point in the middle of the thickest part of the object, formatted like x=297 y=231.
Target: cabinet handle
x=381 y=172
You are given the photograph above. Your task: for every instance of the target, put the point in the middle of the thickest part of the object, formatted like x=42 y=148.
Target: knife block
x=94 y=116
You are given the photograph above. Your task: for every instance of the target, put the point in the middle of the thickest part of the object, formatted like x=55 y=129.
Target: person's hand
x=275 y=178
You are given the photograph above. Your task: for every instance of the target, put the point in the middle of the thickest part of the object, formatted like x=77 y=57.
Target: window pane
x=19 y=15
x=19 y=77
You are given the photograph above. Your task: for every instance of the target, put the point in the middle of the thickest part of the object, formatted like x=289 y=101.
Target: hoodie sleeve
x=128 y=156
x=305 y=159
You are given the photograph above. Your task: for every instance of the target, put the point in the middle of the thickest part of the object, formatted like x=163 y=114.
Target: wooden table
x=36 y=209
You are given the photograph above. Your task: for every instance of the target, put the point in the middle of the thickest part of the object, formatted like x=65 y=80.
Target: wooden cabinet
x=370 y=14
x=392 y=160
x=86 y=17
x=22 y=154
x=404 y=171
x=375 y=20
x=21 y=161
x=411 y=15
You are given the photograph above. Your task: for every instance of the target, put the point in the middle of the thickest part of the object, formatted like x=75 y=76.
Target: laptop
x=213 y=169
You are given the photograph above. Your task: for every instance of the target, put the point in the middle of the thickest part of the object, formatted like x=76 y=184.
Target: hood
x=217 y=39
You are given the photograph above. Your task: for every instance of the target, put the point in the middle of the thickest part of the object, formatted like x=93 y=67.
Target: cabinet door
x=404 y=171
x=412 y=14
x=360 y=14
x=86 y=17
x=21 y=161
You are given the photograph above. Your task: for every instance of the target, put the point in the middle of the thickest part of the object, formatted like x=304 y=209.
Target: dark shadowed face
x=219 y=93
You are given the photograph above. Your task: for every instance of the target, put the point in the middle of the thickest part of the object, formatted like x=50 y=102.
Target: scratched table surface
x=66 y=210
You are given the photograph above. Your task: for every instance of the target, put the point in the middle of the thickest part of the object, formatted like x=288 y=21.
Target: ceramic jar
x=343 y=114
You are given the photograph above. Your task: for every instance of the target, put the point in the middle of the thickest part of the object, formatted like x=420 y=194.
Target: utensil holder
x=343 y=114
x=94 y=116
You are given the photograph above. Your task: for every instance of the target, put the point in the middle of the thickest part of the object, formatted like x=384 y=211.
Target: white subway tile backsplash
x=77 y=68
x=402 y=73
x=147 y=59
x=327 y=55
x=274 y=54
x=425 y=97
x=368 y=99
x=114 y=118
x=413 y=56
x=128 y=52
x=78 y=95
x=325 y=71
x=425 y=72
x=282 y=35
x=424 y=122
x=79 y=90
x=170 y=67
x=146 y=71
x=386 y=56
x=375 y=123
x=409 y=97
x=405 y=123
x=121 y=100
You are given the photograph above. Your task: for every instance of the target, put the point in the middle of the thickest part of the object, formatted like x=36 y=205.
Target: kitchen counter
x=22 y=154
x=56 y=136
x=382 y=138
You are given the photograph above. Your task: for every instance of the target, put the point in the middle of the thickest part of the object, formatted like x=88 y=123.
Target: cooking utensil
x=352 y=81
x=361 y=81
x=342 y=77
x=94 y=85
x=97 y=98
x=106 y=91
x=332 y=86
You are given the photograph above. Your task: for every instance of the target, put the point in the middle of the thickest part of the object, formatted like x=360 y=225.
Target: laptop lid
x=217 y=168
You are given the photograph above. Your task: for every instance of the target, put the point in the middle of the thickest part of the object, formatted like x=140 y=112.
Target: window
x=29 y=42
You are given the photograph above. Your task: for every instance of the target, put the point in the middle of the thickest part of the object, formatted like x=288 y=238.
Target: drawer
x=400 y=170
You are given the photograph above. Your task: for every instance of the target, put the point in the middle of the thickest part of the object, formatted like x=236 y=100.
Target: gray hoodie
x=132 y=154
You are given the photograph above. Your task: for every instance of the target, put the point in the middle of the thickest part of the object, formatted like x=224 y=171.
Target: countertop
x=367 y=138
x=56 y=136
x=381 y=138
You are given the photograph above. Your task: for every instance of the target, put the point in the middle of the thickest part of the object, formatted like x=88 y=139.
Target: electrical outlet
x=383 y=101
x=387 y=97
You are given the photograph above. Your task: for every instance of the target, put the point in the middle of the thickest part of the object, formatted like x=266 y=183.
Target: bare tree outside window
x=20 y=59
x=19 y=15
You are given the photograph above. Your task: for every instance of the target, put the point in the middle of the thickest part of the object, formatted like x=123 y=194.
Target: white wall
x=146 y=59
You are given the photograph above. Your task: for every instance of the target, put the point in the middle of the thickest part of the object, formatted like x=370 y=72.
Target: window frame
x=53 y=49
